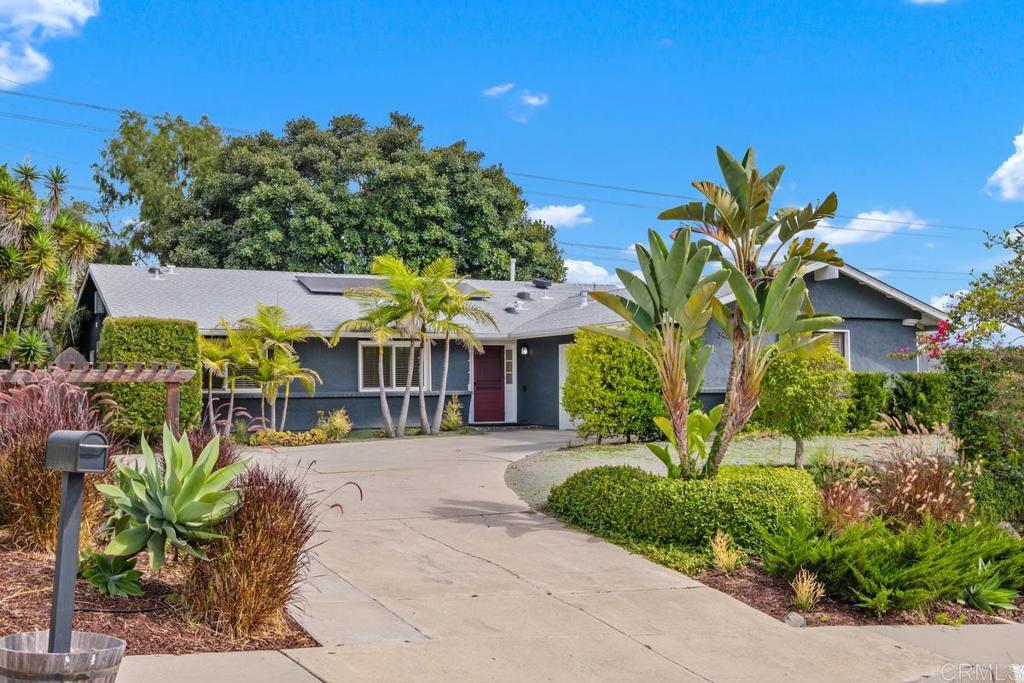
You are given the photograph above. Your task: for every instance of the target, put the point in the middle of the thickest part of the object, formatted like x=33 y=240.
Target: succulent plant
x=178 y=503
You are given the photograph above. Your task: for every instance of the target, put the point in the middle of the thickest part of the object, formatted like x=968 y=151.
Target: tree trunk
x=798 y=454
x=675 y=395
x=230 y=420
x=273 y=414
x=209 y=403
x=721 y=443
x=284 y=410
x=441 y=396
x=263 y=408
x=21 y=315
x=385 y=410
x=424 y=420
x=403 y=416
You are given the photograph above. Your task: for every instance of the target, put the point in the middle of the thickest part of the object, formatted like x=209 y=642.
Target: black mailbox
x=72 y=451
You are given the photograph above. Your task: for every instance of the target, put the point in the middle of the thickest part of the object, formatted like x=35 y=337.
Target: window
x=840 y=342
x=509 y=359
x=396 y=366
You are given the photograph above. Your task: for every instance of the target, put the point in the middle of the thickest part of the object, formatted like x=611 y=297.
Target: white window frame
x=846 y=343
x=425 y=374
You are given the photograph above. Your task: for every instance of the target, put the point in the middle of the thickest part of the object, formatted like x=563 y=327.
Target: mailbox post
x=73 y=453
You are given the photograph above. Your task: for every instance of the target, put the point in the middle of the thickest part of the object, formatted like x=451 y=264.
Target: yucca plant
x=177 y=504
x=667 y=311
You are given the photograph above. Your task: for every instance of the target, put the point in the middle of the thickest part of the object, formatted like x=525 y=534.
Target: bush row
x=271 y=438
x=745 y=502
x=883 y=567
x=923 y=395
x=989 y=403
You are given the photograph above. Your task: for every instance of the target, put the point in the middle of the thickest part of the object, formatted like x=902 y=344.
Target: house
x=517 y=378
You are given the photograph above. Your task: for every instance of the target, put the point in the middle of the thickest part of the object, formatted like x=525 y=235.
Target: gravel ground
x=532 y=477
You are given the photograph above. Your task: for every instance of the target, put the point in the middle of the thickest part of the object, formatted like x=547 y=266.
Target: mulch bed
x=150 y=624
x=755 y=587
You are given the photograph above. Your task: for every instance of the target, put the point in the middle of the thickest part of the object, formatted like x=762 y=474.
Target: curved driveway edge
x=443 y=574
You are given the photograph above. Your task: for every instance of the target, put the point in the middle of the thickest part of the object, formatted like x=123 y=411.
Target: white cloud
x=560 y=216
x=500 y=89
x=26 y=24
x=533 y=99
x=945 y=302
x=869 y=226
x=1008 y=180
x=588 y=272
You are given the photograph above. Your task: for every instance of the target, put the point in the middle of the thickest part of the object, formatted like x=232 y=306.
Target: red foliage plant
x=30 y=493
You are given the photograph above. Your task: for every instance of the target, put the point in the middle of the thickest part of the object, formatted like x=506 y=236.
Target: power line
x=619 y=188
x=54 y=122
x=89 y=105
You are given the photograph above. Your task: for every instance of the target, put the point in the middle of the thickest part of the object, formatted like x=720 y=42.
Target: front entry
x=489 y=385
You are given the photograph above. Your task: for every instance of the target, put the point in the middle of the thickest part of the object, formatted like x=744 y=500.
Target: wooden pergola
x=77 y=370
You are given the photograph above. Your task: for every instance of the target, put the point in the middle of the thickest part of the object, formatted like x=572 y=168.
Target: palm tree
x=215 y=355
x=290 y=371
x=402 y=301
x=454 y=309
x=748 y=238
x=376 y=320
x=240 y=351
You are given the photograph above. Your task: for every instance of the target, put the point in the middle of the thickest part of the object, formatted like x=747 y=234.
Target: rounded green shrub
x=869 y=396
x=626 y=502
x=142 y=407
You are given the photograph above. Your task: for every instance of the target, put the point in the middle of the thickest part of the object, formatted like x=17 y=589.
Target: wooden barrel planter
x=94 y=658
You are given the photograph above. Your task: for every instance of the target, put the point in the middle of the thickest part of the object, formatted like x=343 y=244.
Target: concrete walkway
x=442 y=574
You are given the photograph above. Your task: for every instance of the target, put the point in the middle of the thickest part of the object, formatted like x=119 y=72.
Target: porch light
x=524 y=350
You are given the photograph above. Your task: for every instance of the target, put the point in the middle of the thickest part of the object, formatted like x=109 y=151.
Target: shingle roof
x=205 y=295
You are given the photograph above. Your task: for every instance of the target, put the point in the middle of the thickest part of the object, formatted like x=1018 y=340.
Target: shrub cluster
x=30 y=493
x=922 y=395
x=142 y=407
x=882 y=567
x=986 y=413
x=256 y=570
x=869 y=397
x=629 y=503
x=452 y=420
x=335 y=425
x=271 y=438
x=612 y=388
x=999 y=492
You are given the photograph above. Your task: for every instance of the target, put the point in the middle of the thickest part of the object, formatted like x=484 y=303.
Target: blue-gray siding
x=537 y=391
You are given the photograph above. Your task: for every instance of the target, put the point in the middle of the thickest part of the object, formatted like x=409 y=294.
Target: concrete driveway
x=442 y=574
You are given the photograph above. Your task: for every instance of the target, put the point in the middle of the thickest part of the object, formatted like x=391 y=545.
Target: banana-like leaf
x=641 y=292
x=688 y=277
x=696 y=212
x=744 y=293
x=724 y=203
x=785 y=312
x=663 y=454
x=696 y=363
x=780 y=285
x=627 y=310
x=804 y=346
x=807 y=217
x=693 y=316
x=630 y=333
x=665 y=425
x=817 y=252
x=736 y=179
x=813 y=323
x=678 y=256
x=722 y=317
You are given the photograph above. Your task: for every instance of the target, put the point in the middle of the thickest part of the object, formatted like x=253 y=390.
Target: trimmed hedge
x=999 y=492
x=986 y=415
x=869 y=396
x=627 y=502
x=142 y=407
x=269 y=438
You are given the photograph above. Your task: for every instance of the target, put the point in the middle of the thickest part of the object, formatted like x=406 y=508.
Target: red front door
x=489 y=385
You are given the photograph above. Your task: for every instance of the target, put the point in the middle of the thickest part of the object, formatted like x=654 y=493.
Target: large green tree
x=995 y=299
x=325 y=199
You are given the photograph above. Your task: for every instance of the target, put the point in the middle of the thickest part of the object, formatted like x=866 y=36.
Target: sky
x=912 y=111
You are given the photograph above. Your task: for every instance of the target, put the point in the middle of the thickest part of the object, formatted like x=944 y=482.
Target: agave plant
x=666 y=314
x=177 y=504
x=988 y=593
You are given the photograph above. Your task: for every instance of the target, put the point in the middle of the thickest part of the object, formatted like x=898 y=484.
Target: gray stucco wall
x=537 y=391
x=339 y=369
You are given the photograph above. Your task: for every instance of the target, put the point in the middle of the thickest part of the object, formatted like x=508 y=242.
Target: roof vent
x=512 y=307
x=155 y=272
x=524 y=295
x=541 y=282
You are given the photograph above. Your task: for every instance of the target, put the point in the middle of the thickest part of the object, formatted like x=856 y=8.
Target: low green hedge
x=869 y=396
x=627 y=502
x=999 y=492
x=142 y=407
x=924 y=395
